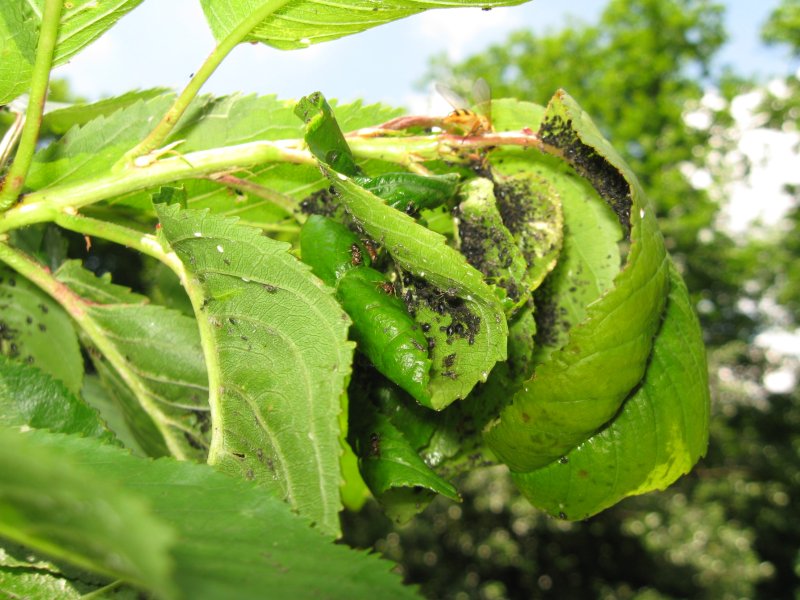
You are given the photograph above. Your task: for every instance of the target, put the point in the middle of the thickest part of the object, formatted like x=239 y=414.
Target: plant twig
x=15 y=180
x=282 y=201
x=45 y=204
x=156 y=138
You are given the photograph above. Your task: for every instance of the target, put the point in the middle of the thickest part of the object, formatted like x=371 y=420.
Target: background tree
x=727 y=530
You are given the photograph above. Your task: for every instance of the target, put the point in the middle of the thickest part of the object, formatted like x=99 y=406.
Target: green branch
x=156 y=137
x=141 y=242
x=51 y=18
x=221 y=163
x=44 y=205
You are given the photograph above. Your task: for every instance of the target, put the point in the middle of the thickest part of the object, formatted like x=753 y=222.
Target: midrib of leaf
x=81 y=311
x=276 y=364
x=106 y=345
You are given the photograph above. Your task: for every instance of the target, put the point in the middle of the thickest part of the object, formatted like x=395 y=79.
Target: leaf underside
x=280 y=356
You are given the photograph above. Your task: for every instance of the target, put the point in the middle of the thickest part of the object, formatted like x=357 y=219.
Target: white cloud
x=465 y=30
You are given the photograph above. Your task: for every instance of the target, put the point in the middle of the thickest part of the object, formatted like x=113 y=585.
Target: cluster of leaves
x=729 y=530
x=540 y=255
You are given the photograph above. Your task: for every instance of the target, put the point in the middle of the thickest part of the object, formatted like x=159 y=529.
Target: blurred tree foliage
x=728 y=530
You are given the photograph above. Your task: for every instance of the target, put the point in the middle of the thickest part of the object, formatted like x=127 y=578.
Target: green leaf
x=392 y=469
x=587 y=265
x=25 y=575
x=382 y=328
x=34 y=329
x=230 y=541
x=31 y=584
x=236 y=119
x=278 y=357
x=150 y=360
x=53 y=505
x=531 y=209
x=31 y=398
x=488 y=245
x=572 y=394
x=448 y=297
x=62 y=119
x=91 y=150
x=300 y=23
x=82 y=22
x=113 y=415
x=660 y=434
x=18 y=37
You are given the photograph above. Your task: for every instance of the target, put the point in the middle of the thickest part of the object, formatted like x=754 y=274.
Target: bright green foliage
x=658 y=436
x=571 y=395
x=49 y=503
x=34 y=329
x=489 y=246
x=82 y=22
x=29 y=398
x=198 y=532
x=509 y=285
x=277 y=359
x=298 y=24
x=382 y=327
x=94 y=147
x=394 y=470
x=783 y=26
x=150 y=363
x=60 y=120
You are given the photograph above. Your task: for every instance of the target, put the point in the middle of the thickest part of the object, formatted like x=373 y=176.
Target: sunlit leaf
x=82 y=22
x=572 y=394
x=659 y=435
x=300 y=23
x=229 y=540
x=150 y=360
x=31 y=398
x=278 y=355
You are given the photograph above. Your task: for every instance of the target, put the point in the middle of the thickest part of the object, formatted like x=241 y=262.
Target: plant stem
x=156 y=138
x=142 y=242
x=44 y=205
x=40 y=77
x=77 y=308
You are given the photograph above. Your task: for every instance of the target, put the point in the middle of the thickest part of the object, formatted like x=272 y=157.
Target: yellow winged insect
x=466 y=119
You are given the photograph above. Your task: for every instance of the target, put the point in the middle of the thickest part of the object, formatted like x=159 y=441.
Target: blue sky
x=163 y=41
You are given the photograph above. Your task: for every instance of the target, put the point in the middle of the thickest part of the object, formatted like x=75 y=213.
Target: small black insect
x=375 y=445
